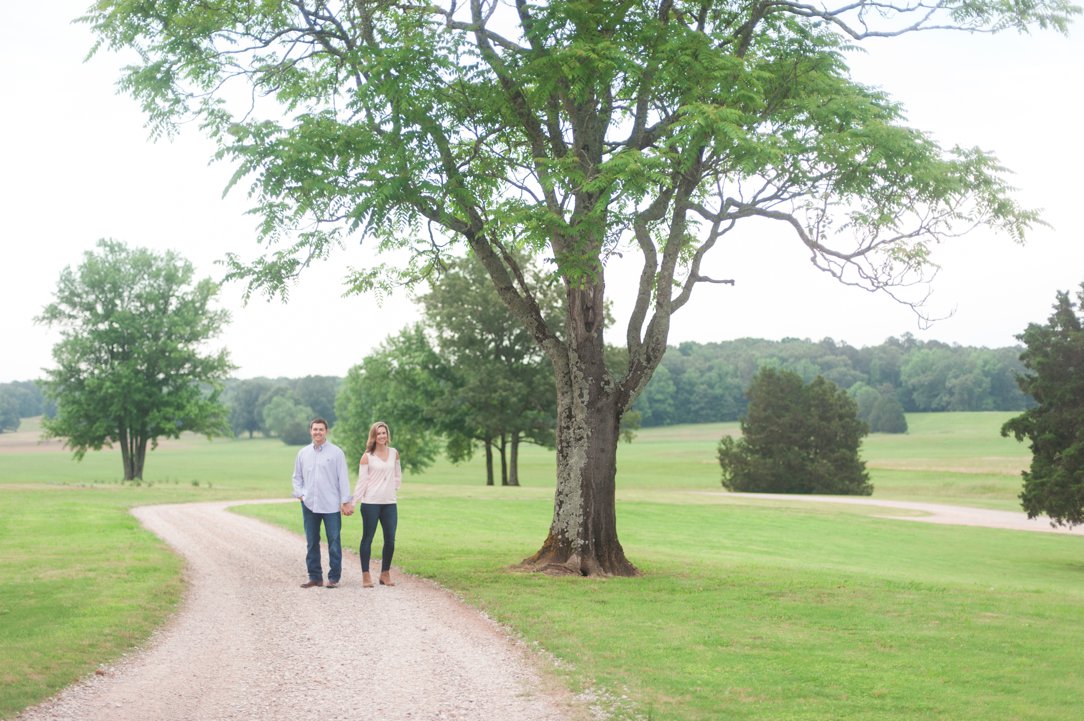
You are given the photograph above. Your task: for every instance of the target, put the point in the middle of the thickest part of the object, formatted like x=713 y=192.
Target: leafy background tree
x=796 y=438
x=397 y=384
x=502 y=390
x=880 y=409
x=318 y=393
x=707 y=382
x=574 y=131
x=887 y=414
x=9 y=411
x=288 y=419
x=23 y=399
x=130 y=365
x=246 y=400
x=1054 y=428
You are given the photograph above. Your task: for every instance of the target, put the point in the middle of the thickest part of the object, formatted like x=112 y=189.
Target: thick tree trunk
x=583 y=535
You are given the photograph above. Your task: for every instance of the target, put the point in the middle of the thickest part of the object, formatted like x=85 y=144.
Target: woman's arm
x=363 y=479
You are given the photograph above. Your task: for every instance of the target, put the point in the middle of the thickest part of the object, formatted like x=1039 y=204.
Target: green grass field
x=744 y=610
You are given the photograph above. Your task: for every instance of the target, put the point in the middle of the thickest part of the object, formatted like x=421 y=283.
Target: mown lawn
x=743 y=610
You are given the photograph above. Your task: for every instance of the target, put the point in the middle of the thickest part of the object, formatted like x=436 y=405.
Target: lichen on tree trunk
x=582 y=539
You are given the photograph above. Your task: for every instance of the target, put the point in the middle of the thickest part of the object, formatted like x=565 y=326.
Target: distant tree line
x=696 y=383
x=22 y=399
x=707 y=382
x=280 y=407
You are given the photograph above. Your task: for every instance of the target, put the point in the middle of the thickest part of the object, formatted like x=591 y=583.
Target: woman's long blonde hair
x=370 y=445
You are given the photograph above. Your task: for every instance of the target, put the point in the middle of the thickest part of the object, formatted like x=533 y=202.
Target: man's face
x=318 y=431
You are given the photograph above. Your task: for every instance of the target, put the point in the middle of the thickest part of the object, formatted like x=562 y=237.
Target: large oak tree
x=131 y=363
x=574 y=130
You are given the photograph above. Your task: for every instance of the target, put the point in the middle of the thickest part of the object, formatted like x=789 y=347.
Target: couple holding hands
x=322 y=483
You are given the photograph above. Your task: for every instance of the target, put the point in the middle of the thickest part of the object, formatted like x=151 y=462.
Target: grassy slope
x=744 y=611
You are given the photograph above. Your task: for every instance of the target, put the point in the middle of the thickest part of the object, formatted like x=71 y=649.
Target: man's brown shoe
x=310 y=584
x=331 y=584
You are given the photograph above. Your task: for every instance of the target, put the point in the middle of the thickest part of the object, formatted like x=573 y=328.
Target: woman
x=379 y=478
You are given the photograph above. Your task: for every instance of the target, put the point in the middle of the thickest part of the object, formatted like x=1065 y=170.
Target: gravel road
x=249 y=643
x=934 y=512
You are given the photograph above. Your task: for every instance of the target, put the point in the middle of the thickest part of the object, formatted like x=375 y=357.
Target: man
x=322 y=483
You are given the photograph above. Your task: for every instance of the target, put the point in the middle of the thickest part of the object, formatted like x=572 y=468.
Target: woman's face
x=381 y=436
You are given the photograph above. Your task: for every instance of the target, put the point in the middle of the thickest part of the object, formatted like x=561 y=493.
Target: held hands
x=348 y=508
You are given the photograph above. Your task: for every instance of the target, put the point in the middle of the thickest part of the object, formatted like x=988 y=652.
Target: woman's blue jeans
x=388 y=515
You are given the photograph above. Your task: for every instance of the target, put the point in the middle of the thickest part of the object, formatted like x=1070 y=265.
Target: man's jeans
x=333 y=523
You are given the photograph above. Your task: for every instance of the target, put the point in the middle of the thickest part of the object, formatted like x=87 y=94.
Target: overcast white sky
x=78 y=166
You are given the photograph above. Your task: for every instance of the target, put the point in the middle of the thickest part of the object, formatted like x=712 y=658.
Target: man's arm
x=299 y=477
x=344 y=484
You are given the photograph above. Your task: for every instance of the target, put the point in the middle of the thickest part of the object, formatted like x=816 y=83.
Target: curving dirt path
x=250 y=644
x=936 y=512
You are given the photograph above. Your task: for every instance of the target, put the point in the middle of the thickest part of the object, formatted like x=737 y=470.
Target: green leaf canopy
x=131 y=365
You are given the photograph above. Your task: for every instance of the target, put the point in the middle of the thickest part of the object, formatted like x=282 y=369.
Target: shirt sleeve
x=344 y=479
x=299 y=478
x=398 y=472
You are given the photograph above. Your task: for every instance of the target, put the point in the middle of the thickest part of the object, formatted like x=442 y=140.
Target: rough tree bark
x=582 y=539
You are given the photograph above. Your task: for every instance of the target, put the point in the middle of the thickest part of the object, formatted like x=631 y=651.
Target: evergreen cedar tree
x=1054 y=359
x=796 y=438
x=130 y=365
x=570 y=131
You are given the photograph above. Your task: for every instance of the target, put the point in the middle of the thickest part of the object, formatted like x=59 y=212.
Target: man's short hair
x=314 y=421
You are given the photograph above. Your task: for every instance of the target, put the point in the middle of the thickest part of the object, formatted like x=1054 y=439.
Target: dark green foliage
x=27 y=398
x=318 y=393
x=706 y=382
x=397 y=384
x=288 y=419
x=887 y=414
x=880 y=409
x=1054 y=358
x=9 y=411
x=658 y=404
x=131 y=366
x=796 y=438
x=469 y=375
x=246 y=400
x=500 y=389
x=865 y=398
